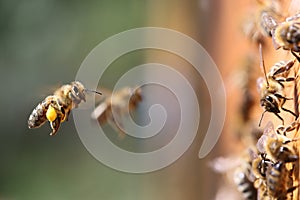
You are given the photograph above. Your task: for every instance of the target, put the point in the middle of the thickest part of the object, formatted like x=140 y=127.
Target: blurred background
x=43 y=43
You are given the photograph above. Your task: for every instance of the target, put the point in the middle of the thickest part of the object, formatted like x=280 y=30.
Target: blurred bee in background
x=263 y=21
x=119 y=101
x=287 y=34
x=244 y=182
x=239 y=172
x=57 y=107
x=271 y=87
x=245 y=78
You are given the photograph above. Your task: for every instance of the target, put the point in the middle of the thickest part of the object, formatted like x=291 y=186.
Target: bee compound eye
x=75 y=89
x=270 y=99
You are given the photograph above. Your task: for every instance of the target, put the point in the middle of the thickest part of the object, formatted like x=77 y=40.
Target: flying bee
x=57 y=107
x=271 y=88
x=122 y=101
x=287 y=34
x=276 y=146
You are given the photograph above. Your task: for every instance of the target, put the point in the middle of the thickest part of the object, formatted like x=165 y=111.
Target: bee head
x=77 y=92
x=270 y=104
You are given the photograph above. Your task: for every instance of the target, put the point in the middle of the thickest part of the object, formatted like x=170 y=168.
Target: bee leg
x=116 y=123
x=290 y=190
x=65 y=116
x=291 y=127
x=262 y=116
x=117 y=127
x=296 y=56
x=285 y=151
x=291 y=112
x=55 y=125
x=283 y=69
x=286 y=110
x=279 y=118
x=281 y=79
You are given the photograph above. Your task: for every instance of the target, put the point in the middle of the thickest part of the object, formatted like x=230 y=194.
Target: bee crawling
x=57 y=107
x=271 y=87
x=278 y=147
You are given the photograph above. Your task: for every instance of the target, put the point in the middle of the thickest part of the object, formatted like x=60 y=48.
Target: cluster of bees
x=269 y=169
x=57 y=107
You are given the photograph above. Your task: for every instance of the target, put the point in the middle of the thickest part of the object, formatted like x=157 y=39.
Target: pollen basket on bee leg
x=51 y=114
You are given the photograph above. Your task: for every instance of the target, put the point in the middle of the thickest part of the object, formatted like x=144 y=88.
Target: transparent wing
x=224 y=164
x=260 y=145
x=260 y=83
x=269 y=130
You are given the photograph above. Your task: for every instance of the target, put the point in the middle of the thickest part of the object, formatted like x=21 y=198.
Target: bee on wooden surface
x=122 y=101
x=287 y=34
x=271 y=87
x=273 y=179
x=57 y=107
x=260 y=165
x=279 y=181
x=276 y=146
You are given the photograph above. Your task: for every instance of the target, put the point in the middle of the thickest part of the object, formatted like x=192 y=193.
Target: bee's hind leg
x=55 y=125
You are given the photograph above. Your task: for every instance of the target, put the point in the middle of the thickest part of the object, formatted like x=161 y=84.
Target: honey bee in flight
x=271 y=87
x=119 y=101
x=57 y=107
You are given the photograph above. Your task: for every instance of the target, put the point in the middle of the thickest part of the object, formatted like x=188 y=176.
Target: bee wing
x=260 y=145
x=252 y=154
x=293 y=18
x=260 y=83
x=269 y=130
x=224 y=164
x=268 y=22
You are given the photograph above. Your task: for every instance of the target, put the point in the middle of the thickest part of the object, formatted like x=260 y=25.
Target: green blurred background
x=43 y=43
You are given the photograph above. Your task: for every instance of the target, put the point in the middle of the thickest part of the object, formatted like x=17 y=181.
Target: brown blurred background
x=43 y=44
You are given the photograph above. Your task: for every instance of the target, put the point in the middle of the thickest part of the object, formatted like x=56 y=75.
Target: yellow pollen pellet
x=51 y=114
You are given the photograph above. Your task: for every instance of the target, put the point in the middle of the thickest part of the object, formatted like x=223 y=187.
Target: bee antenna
x=262 y=63
x=94 y=91
x=262 y=116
